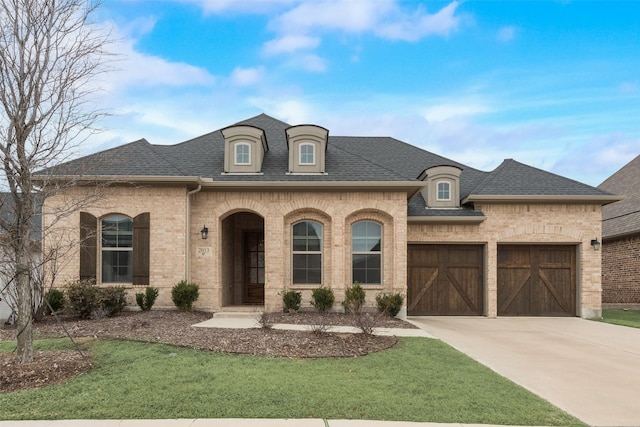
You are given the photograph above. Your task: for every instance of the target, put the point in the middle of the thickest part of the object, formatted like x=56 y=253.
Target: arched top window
x=307 y=154
x=444 y=190
x=117 y=249
x=366 y=252
x=242 y=153
x=307 y=252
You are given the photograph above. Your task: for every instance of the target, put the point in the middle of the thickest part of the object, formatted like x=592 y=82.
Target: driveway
x=589 y=369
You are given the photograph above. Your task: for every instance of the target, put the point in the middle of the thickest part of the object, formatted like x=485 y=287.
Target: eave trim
x=601 y=199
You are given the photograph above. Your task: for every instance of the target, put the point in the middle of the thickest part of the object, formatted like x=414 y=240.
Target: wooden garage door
x=536 y=280
x=445 y=280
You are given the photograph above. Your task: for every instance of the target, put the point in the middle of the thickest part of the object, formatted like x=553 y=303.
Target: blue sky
x=554 y=84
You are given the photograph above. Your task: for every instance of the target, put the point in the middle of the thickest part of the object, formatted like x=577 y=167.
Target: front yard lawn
x=622 y=317
x=418 y=380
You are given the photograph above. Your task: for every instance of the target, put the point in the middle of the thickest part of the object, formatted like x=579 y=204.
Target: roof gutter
x=498 y=198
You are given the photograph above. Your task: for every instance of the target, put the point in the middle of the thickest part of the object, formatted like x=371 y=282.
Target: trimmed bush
x=389 y=304
x=292 y=300
x=322 y=299
x=55 y=297
x=86 y=301
x=354 y=297
x=184 y=295
x=146 y=300
x=82 y=298
x=113 y=299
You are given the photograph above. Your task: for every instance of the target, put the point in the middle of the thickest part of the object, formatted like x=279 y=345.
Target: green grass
x=621 y=317
x=419 y=380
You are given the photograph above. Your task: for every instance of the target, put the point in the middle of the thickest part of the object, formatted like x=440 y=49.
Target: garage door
x=445 y=280
x=536 y=280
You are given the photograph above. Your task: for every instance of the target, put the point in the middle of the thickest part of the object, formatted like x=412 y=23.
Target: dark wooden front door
x=536 y=280
x=445 y=280
x=254 y=267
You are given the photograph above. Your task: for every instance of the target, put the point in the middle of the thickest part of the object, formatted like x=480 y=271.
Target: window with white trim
x=444 y=190
x=307 y=154
x=117 y=249
x=366 y=252
x=307 y=253
x=242 y=153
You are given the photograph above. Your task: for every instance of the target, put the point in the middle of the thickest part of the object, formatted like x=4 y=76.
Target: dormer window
x=307 y=146
x=444 y=191
x=307 y=154
x=244 y=149
x=243 y=153
x=442 y=187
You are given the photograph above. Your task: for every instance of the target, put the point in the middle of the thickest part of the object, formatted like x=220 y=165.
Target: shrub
x=86 y=301
x=292 y=300
x=266 y=319
x=354 y=298
x=184 y=295
x=55 y=297
x=82 y=298
x=322 y=298
x=113 y=299
x=146 y=300
x=390 y=304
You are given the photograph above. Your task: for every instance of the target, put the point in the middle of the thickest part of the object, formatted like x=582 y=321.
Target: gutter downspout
x=187 y=240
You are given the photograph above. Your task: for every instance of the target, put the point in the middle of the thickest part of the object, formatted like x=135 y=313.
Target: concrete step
x=237 y=314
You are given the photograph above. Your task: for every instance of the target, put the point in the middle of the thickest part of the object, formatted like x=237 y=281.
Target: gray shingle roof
x=515 y=178
x=348 y=159
x=623 y=217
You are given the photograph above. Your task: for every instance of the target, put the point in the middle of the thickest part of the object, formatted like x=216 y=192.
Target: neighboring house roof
x=348 y=159
x=622 y=217
x=7 y=213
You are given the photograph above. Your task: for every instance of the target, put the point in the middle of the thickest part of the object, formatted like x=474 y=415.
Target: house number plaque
x=204 y=252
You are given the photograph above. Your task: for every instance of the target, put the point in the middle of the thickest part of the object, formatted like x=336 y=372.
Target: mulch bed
x=175 y=328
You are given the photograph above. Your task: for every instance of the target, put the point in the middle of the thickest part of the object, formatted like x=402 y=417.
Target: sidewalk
x=230 y=422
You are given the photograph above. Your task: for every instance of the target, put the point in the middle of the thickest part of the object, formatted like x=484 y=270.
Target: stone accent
x=621 y=271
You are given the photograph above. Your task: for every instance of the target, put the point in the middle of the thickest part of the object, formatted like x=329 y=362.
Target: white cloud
x=247 y=76
x=506 y=34
x=415 y=26
x=290 y=43
x=241 y=6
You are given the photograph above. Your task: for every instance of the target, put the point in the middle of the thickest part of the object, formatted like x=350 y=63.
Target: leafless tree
x=51 y=53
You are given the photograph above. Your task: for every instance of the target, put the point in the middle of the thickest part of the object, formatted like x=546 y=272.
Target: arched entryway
x=243 y=260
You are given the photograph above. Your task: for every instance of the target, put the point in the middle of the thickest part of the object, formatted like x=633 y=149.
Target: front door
x=254 y=267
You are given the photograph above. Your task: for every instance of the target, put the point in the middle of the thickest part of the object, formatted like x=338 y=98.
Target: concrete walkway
x=244 y=321
x=589 y=369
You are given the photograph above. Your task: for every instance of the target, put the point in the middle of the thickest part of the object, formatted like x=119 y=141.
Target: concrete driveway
x=589 y=369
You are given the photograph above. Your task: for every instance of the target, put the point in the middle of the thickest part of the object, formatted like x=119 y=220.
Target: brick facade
x=621 y=270
x=215 y=263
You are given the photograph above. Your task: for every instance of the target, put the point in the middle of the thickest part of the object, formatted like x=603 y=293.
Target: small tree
x=50 y=54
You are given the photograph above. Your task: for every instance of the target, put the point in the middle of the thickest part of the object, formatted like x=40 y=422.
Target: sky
x=553 y=84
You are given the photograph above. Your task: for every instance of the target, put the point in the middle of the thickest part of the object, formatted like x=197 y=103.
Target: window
x=444 y=191
x=307 y=154
x=243 y=154
x=117 y=249
x=366 y=252
x=307 y=253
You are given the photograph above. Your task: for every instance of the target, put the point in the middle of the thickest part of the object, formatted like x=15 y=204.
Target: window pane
x=366 y=254
x=116 y=266
x=300 y=229
x=359 y=229
x=314 y=244
x=373 y=276
x=373 y=244
x=299 y=244
x=359 y=275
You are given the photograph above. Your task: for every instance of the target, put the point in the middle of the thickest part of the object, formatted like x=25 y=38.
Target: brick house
x=261 y=207
x=621 y=238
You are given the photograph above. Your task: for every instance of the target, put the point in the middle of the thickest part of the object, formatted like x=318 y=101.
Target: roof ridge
x=163 y=157
x=369 y=160
x=490 y=176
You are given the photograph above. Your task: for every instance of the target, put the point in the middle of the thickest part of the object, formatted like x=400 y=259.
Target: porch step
x=236 y=314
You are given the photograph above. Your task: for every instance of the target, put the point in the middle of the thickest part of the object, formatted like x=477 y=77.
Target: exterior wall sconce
x=595 y=244
x=205 y=232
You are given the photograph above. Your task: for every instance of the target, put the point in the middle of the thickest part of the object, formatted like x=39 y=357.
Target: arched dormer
x=307 y=147
x=443 y=186
x=244 y=149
